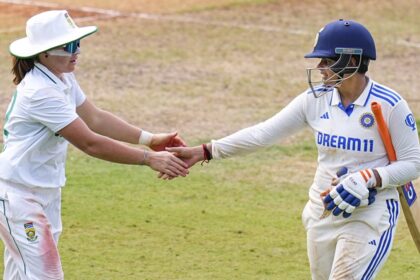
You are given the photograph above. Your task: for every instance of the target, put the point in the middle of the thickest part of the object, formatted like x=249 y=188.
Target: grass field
x=207 y=68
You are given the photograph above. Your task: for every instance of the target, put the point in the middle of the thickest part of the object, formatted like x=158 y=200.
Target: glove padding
x=354 y=191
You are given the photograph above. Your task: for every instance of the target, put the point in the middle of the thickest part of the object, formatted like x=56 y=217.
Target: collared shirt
x=345 y=137
x=34 y=153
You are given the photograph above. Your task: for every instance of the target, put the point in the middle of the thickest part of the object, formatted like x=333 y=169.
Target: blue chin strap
x=72 y=46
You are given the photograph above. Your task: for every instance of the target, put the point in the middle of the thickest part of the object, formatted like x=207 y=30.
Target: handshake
x=170 y=156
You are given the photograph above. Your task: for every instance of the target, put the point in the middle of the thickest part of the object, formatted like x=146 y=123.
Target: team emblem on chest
x=367 y=120
x=30 y=232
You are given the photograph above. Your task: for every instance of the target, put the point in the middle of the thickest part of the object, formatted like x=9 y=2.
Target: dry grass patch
x=156 y=6
x=207 y=80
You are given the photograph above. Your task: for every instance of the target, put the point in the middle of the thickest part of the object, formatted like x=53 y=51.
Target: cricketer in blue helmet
x=355 y=241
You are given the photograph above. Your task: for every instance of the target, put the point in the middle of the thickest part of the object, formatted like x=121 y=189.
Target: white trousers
x=352 y=248
x=30 y=226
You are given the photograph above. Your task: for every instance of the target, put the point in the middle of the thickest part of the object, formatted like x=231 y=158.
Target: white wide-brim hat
x=48 y=30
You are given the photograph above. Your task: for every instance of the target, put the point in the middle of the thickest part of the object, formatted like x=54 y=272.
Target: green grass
x=233 y=219
x=123 y=223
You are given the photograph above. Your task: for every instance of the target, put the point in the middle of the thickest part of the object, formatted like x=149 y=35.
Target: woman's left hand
x=160 y=141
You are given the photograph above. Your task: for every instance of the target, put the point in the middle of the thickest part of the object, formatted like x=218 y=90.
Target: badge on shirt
x=30 y=232
x=367 y=120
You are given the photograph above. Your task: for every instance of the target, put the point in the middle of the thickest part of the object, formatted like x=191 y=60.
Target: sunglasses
x=72 y=46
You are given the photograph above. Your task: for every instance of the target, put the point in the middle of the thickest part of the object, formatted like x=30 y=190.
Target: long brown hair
x=21 y=66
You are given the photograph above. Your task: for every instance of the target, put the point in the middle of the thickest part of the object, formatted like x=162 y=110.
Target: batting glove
x=356 y=190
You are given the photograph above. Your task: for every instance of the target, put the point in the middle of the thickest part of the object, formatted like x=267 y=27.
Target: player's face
x=58 y=63
x=328 y=76
x=63 y=64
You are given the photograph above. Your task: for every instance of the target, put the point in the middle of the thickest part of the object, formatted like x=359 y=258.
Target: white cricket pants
x=352 y=248
x=30 y=226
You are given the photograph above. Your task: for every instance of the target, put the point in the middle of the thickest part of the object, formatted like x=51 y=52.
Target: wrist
x=378 y=179
x=207 y=156
x=197 y=153
x=145 y=158
x=370 y=177
x=145 y=138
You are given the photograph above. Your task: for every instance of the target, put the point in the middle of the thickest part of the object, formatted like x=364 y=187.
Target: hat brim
x=23 y=48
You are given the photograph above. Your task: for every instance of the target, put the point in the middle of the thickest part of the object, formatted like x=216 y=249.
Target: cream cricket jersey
x=34 y=154
x=344 y=136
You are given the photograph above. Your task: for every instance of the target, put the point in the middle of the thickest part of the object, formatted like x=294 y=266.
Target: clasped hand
x=189 y=155
x=167 y=163
x=171 y=157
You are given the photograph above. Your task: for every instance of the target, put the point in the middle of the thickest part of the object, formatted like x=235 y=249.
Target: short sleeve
x=79 y=95
x=52 y=108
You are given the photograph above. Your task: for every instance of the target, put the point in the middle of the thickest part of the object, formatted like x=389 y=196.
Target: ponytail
x=21 y=66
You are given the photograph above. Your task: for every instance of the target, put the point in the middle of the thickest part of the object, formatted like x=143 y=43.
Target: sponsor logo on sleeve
x=410 y=122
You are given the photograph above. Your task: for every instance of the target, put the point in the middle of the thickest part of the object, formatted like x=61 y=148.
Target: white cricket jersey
x=344 y=136
x=33 y=153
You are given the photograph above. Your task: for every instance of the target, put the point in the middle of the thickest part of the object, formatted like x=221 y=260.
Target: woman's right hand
x=166 y=163
x=189 y=155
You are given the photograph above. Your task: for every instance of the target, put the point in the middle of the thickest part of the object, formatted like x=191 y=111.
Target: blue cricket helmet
x=343 y=34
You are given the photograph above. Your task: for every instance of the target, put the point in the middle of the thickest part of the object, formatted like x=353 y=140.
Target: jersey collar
x=360 y=101
x=50 y=76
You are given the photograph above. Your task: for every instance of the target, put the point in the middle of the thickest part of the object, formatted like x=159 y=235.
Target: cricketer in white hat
x=46 y=31
x=47 y=111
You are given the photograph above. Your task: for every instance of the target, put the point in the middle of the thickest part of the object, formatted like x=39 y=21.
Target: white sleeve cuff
x=384 y=176
x=214 y=150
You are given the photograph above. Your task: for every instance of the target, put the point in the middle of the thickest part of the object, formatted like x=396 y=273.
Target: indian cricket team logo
x=367 y=120
x=30 y=232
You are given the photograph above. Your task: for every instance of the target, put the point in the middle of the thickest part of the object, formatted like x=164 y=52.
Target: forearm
x=241 y=142
x=252 y=138
x=102 y=147
x=398 y=173
x=109 y=125
x=289 y=120
x=107 y=149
